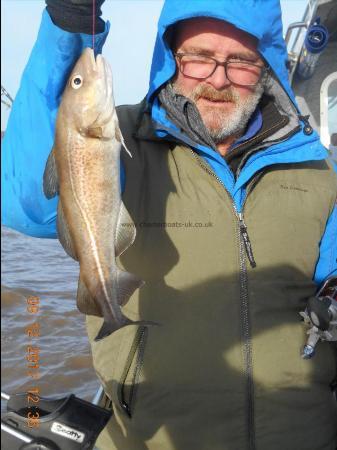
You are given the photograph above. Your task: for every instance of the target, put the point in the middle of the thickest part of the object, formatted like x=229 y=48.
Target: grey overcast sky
x=128 y=48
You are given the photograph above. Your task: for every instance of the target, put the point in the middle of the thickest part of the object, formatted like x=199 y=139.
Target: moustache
x=209 y=93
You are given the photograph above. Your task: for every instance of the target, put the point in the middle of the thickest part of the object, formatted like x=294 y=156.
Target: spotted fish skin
x=83 y=168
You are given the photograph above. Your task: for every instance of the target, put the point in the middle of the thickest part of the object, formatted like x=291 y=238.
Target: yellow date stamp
x=33 y=362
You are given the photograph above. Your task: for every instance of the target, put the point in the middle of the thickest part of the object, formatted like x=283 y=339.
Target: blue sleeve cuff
x=54 y=55
x=30 y=131
x=327 y=263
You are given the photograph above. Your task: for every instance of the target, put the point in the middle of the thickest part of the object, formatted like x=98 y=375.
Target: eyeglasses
x=243 y=73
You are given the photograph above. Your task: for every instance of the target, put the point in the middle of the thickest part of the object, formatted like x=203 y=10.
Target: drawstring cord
x=307 y=127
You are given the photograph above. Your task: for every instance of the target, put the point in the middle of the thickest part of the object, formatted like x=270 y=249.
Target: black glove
x=76 y=15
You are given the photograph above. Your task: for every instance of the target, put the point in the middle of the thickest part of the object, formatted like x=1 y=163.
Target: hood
x=261 y=18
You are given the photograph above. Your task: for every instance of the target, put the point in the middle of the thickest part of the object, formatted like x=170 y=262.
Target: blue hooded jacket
x=30 y=131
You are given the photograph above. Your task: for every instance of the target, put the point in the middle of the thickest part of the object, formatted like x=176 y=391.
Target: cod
x=83 y=168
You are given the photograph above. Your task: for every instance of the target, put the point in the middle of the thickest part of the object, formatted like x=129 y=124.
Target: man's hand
x=321 y=316
x=76 y=15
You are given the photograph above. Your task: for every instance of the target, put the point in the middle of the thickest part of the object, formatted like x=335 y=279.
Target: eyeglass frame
x=264 y=68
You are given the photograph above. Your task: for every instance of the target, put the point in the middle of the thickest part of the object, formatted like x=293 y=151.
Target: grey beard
x=236 y=123
x=184 y=113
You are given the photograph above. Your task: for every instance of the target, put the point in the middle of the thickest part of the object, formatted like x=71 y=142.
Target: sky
x=128 y=47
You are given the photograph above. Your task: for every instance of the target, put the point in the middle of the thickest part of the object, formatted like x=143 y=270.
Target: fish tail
x=125 y=285
x=109 y=327
x=92 y=300
x=106 y=329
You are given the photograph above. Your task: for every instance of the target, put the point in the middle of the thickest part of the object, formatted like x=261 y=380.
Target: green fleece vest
x=222 y=369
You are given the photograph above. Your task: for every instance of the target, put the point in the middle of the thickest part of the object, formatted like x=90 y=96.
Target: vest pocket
x=128 y=385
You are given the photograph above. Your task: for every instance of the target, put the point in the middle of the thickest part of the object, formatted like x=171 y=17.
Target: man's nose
x=219 y=78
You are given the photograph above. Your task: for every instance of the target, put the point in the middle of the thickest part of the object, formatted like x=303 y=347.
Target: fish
x=83 y=168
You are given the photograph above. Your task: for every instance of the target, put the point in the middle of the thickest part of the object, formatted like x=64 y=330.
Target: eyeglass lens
x=238 y=72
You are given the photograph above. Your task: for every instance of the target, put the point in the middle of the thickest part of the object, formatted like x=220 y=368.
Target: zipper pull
x=126 y=408
x=246 y=241
x=307 y=127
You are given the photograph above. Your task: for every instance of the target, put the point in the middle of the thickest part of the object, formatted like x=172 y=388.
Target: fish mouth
x=88 y=59
x=101 y=68
x=107 y=109
x=105 y=75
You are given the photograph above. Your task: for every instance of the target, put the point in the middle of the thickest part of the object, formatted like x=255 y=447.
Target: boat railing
x=327 y=103
x=295 y=44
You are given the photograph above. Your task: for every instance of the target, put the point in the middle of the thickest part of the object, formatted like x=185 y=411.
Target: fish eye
x=77 y=81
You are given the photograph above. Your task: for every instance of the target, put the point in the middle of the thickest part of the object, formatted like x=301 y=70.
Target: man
x=221 y=152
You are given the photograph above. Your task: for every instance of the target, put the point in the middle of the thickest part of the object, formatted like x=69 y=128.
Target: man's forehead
x=203 y=26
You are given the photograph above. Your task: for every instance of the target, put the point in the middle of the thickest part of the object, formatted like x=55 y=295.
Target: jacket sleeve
x=327 y=263
x=30 y=131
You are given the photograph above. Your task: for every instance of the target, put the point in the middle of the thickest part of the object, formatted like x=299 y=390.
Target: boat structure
x=6 y=104
x=312 y=64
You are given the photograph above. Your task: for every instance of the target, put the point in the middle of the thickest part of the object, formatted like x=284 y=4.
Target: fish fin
x=119 y=137
x=109 y=327
x=124 y=147
x=95 y=132
x=101 y=132
x=127 y=283
x=85 y=302
x=125 y=231
x=105 y=131
x=63 y=233
x=50 y=178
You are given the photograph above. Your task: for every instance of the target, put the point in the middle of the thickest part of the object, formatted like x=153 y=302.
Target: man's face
x=225 y=107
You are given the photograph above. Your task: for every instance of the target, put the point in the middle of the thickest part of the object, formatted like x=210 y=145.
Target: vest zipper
x=126 y=400
x=247 y=347
x=246 y=240
x=239 y=216
x=244 y=248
